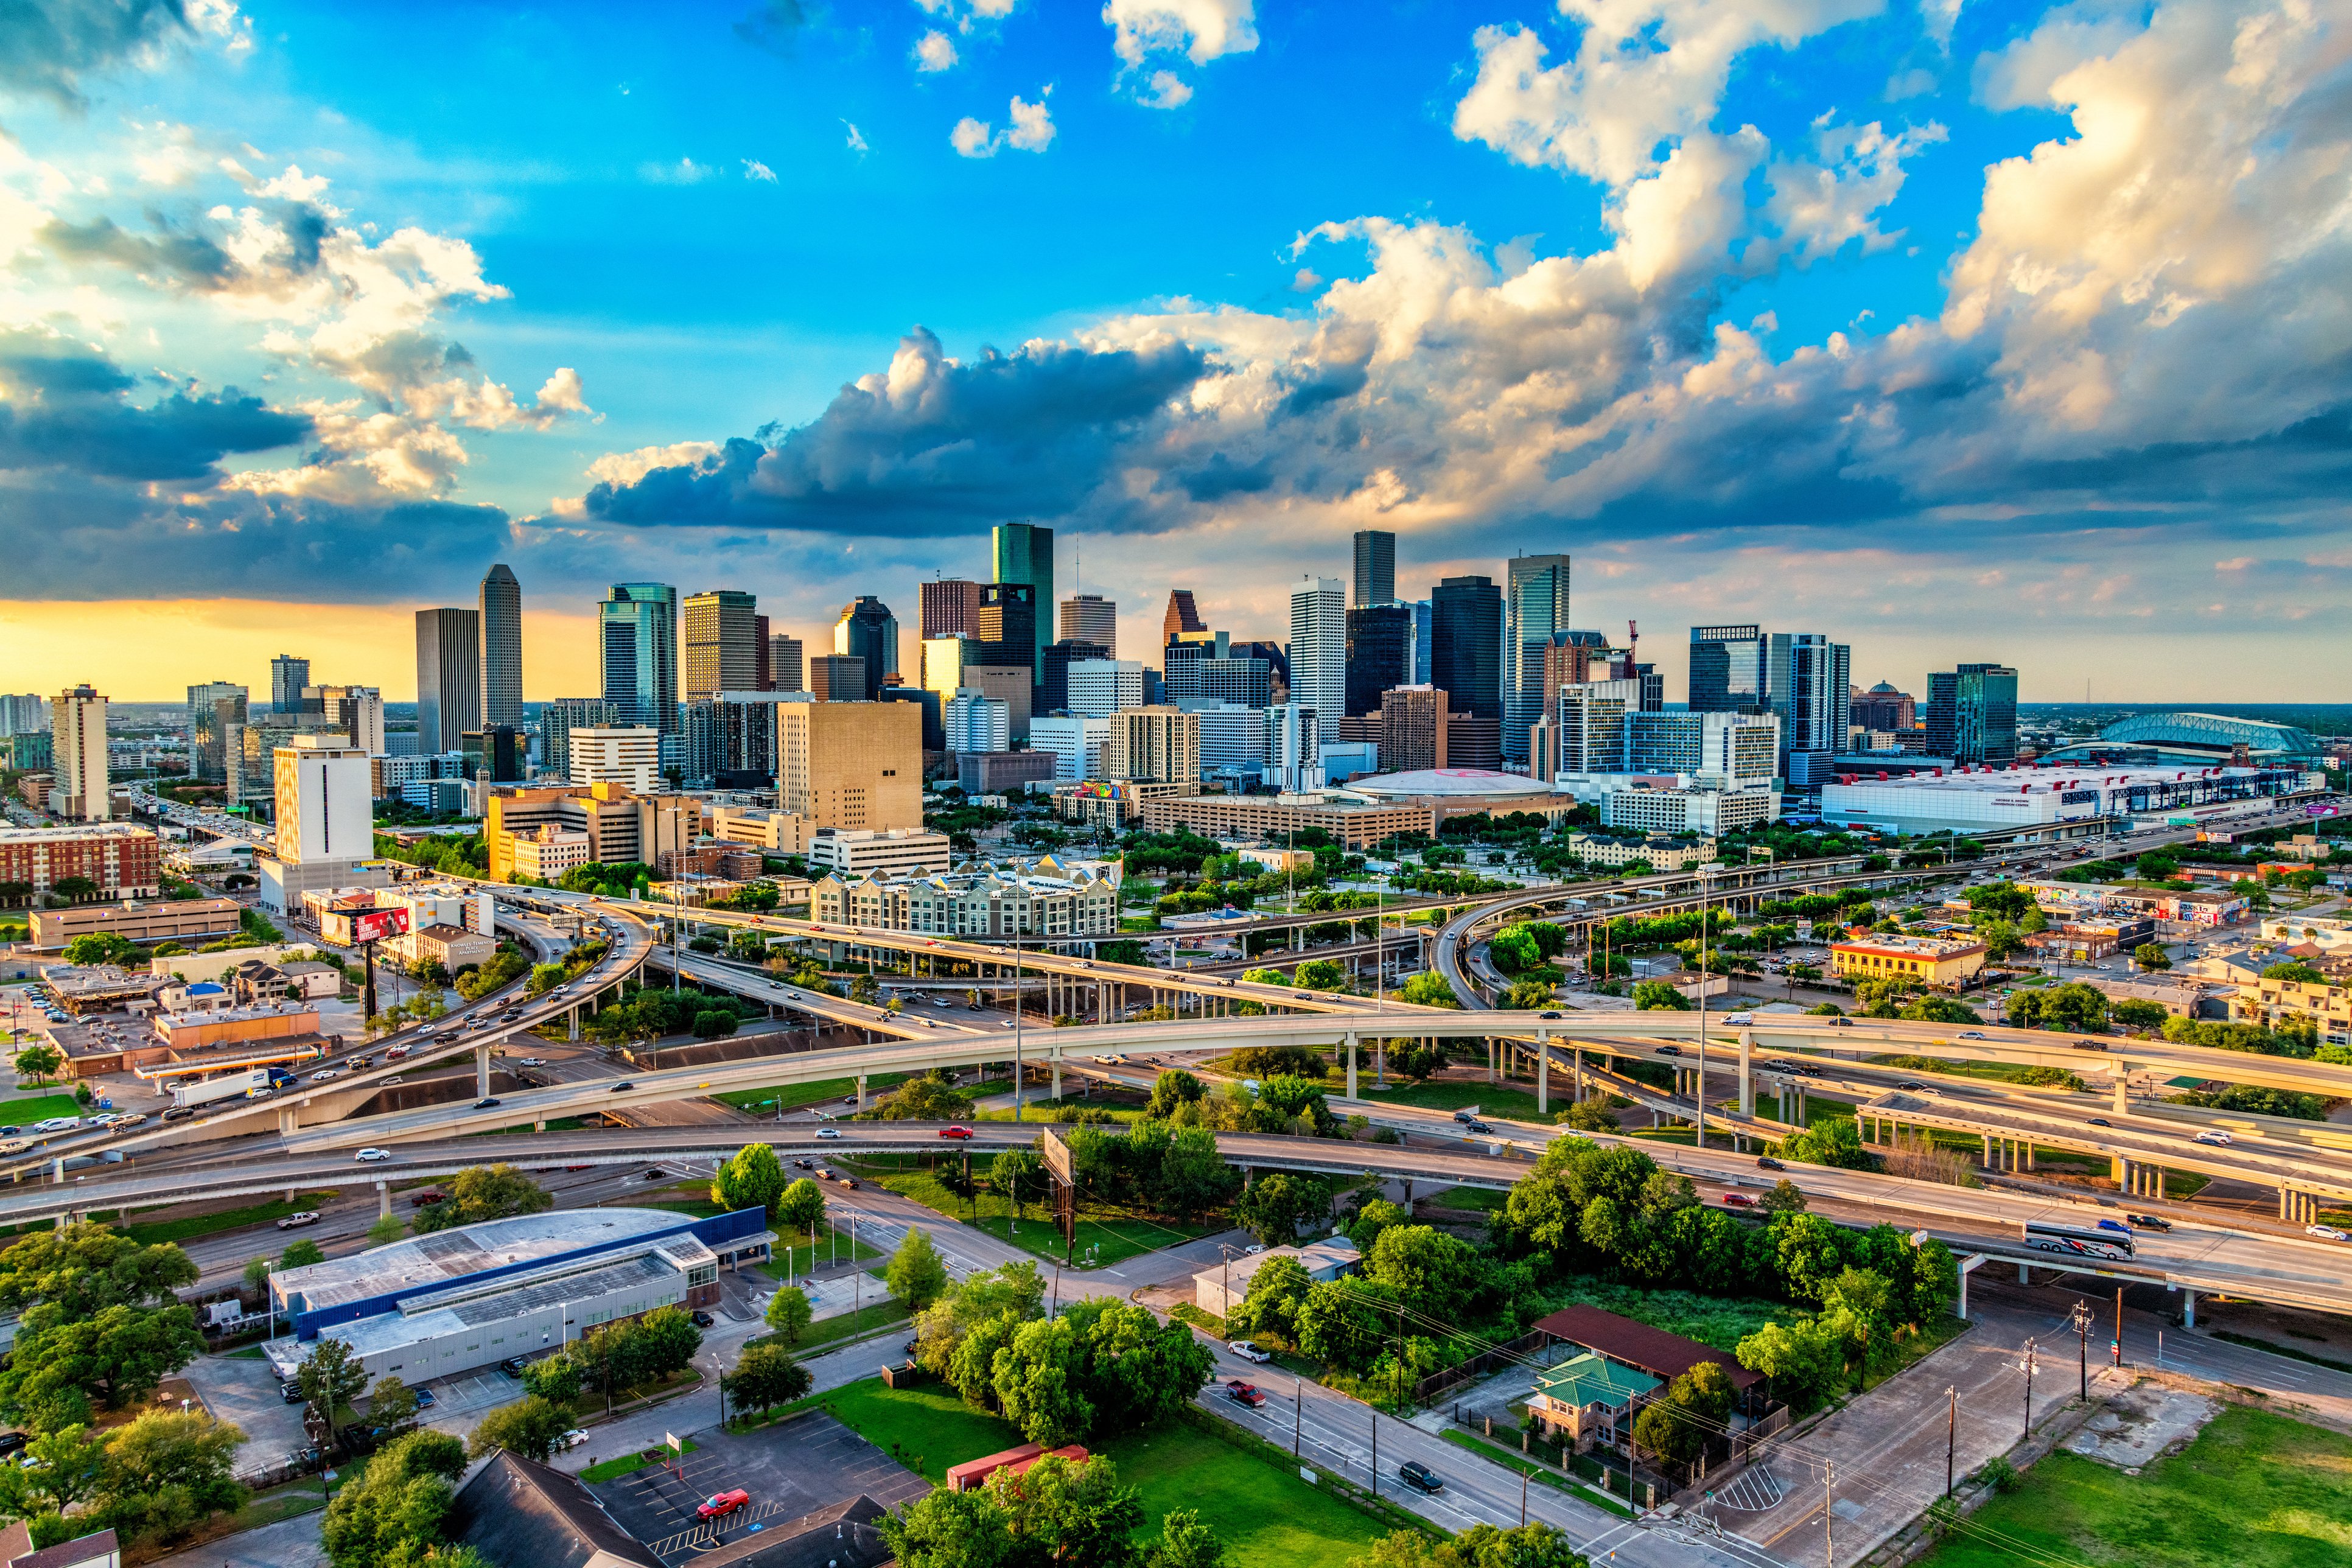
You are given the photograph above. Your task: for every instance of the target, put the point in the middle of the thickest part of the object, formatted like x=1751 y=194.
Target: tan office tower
x=837 y=678
x=1413 y=721
x=951 y=608
x=722 y=644
x=77 y=789
x=1153 y=745
x=1090 y=618
x=851 y=764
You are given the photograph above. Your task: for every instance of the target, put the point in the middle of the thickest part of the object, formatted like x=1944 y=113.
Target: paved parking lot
x=244 y=1392
x=796 y=1467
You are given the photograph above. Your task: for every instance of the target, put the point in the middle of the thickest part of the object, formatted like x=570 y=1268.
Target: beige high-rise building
x=851 y=764
x=325 y=801
x=622 y=827
x=722 y=644
x=1153 y=745
x=630 y=757
x=77 y=791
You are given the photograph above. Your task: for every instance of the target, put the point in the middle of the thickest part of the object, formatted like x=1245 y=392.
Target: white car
x=572 y=1439
x=2214 y=1136
x=828 y=1132
x=534 y=1061
x=2324 y=1232
x=1247 y=1350
x=296 y=1221
x=323 y=1074
x=371 y=1155
x=394 y=1081
x=58 y=1125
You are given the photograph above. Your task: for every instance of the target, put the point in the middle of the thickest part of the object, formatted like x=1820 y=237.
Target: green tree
x=1657 y=997
x=1833 y=1141
x=331 y=1377
x=1786 y=1197
x=1270 y=1310
x=2000 y=938
x=765 y=1376
x=1057 y=1513
x=1423 y=1265
x=2070 y=1007
x=166 y=1471
x=1272 y=1207
x=1193 y=1178
x=1172 y=1088
x=393 y=1510
x=801 y=1208
x=390 y=1404
x=65 y=1467
x=1038 y=1379
x=557 y=1379
x=388 y=1229
x=922 y=1099
x=102 y=947
x=257 y=1275
x=753 y=1178
x=1019 y=1175
x=1321 y=974
x=2296 y=971
x=1428 y=989
x=301 y=1254
x=788 y=1313
x=1185 y=1542
x=485 y=1191
x=2151 y=956
x=530 y=1427
x=1804 y=1361
x=2002 y=900
x=40 y=1061
x=1528 y=995
x=918 y=1274
x=2137 y=1013
x=98 y=1314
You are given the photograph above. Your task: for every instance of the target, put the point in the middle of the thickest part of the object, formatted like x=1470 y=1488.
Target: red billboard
x=377 y=924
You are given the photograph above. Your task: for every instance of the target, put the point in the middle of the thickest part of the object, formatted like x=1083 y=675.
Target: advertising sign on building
x=377 y=924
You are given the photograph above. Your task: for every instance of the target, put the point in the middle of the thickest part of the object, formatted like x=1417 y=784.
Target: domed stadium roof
x=1469 y=782
x=2214 y=735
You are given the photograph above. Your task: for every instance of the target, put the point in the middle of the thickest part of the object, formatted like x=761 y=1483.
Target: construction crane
x=1633 y=641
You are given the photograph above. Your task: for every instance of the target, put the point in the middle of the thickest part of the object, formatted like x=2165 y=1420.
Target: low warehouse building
x=455 y=1299
x=1219 y=1290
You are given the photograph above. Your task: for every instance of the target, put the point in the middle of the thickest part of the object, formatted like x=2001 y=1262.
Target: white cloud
x=1167 y=90
x=627 y=467
x=1646 y=73
x=1820 y=204
x=934 y=51
x=170 y=159
x=970 y=137
x=685 y=172
x=1203 y=30
x=1032 y=130
x=1032 y=125
x=857 y=141
x=755 y=170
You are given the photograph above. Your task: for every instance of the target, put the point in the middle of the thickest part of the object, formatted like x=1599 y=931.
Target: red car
x=1247 y=1393
x=1737 y=1201
x=955 y=1132
x=723 y=1504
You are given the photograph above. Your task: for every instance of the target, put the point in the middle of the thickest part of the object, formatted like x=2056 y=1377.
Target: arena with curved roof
x=2194 y=737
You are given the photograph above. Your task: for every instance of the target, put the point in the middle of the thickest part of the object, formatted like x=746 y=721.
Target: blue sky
x=1958 y=330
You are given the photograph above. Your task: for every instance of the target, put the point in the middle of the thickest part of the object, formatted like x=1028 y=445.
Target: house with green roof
x=1588 y=1398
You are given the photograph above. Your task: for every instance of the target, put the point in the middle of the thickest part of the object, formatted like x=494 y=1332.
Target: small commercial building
x=894 y=851
x=1659 y=852
x=1219 y=1290
x=236 y=1025
x=1941 y=963
x=1654 y=1351
x=451 y=947
x=188 y=921
x=973 y=1474
x=544 y=853
x=455 y=1299
x=1589 y=1399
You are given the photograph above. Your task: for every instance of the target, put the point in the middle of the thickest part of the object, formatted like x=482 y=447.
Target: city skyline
x=1863 y=321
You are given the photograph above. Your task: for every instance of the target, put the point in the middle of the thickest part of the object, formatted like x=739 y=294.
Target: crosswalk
x=1752 y=1490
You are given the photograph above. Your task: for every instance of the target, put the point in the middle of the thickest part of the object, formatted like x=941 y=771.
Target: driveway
x=242 y=1390
x=289 y=1544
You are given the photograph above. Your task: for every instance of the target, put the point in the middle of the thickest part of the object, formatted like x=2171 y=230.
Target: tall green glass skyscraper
x=1024 y=552
x=637 y=651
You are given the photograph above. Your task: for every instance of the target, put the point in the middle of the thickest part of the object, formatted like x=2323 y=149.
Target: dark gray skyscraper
x=1811 y=691
x=1535 y=605
x=867 y=630
x=1375 y=568
x=448 y=678
x=288 y=675
x=637 y=654
x=1379 y=653
x=501 y=612
x=1972 y=714
x=1466 y=645
x=1729 y=670
x=1024 y=552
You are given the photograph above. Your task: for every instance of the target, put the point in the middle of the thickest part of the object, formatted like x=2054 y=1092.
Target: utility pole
x=1523 y=1500
x=2028 y=1431
x=1376 y=1453
x=2115 y=1345
x=1951 y=1433
x=1297 y=1413
x=2082 y=1346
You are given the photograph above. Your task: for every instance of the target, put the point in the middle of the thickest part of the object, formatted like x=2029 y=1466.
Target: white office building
x=1293 y=748
x=975 y=721
x=1319 y=651
x=1077 y=742
x=898 y=851
x=629 y=756
x=1232 y=741
x=1101 y=687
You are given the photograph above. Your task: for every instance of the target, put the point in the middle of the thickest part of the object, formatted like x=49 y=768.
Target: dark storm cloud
x=189 y=260
x=46 y=47
x=68 y=408
x=934 y=446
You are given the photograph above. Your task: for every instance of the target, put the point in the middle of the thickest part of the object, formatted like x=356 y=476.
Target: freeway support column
x=1351 y=1048
x=1969 y=1266
x=1058 y=1073
x=572 y=1024
x=1543 y=1073
x=2188 y=1308
x=289 y=1116
x=482 y=1071
x=383 y=1200
x=861 y=1091
x=1746 y=1081
x=2121 y=1077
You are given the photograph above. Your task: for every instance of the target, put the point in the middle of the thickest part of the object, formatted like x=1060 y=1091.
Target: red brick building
x=123 y=861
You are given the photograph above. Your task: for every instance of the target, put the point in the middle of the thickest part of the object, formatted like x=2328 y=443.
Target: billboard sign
x=1057 y=1157
x=377 y=924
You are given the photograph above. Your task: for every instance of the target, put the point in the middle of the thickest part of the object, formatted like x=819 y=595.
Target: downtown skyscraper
x=501 y=622
x=1535 y=605
x=448 y=678
x=637 y=650
x=722 y=644
x=1024 y=552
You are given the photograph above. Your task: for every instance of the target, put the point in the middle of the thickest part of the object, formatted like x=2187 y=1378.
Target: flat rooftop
x=2042 y=780
x=431 y=1262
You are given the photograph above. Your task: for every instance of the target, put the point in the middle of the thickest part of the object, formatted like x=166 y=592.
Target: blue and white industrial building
x=475 y=1295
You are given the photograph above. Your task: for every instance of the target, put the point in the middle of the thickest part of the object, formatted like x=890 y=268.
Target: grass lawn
x=153 y=1232
x=1266 y=1516
x=825 y=1091
x=1113 y=1235
x=2255 y=1490
x=25 y=1112
x=613 y=1469
x=1721 y=1321
x=849 y=1325
x=1476 y=1199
